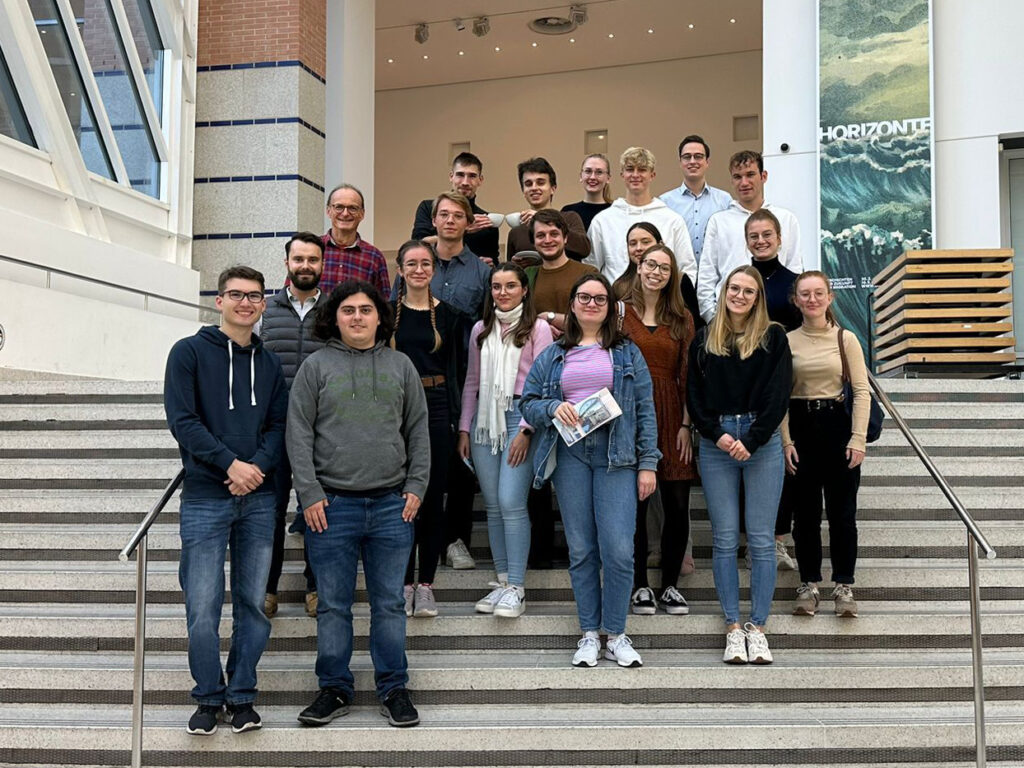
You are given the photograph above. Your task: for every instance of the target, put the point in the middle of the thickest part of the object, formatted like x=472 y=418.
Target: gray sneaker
x=807 y=599
x=426 y=607
x=782 y=559
x=408 y=591
x=457 y=556
x=846 y=606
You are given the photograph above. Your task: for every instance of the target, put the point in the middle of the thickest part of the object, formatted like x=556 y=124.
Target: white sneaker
x=620 y=650
x=735 y=647
x=511 y=603
x=757 y=645
x=457 y=556
x=486 y=603
x=587 y=650
x=782 y=559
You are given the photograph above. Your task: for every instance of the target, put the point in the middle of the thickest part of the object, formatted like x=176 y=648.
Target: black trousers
x=282 y=494
x=675 y=501
x=823 y=471
x=459 y=510
x=430 y=521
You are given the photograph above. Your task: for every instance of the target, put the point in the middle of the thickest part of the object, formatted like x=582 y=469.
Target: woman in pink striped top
x=502 y=348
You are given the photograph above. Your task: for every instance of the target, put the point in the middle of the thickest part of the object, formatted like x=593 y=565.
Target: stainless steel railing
x=975 y=540
x=137 y=544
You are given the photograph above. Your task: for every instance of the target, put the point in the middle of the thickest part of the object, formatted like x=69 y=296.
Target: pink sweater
x=539 y=339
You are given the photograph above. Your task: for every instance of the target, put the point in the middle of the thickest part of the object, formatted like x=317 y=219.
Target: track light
x=481 y=26
x=422 y=33
x=578 y=14
x=459 y=24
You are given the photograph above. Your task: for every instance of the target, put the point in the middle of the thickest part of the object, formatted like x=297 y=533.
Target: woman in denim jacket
x=598 y=478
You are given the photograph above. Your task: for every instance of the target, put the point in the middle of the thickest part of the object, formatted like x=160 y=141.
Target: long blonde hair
x=671 y=309
x=722 y=339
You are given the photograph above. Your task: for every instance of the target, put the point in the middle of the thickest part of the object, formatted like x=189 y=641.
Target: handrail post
x=976 y=652
x=139 y=675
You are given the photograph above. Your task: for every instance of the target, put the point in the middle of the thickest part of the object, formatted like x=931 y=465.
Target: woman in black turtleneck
x=764 y=238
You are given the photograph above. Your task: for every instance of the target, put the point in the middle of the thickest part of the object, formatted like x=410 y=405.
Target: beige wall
x=505 y=121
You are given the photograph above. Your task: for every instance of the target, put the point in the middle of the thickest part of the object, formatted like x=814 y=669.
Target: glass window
x=13 y=122
x=121 y=99
x=69 y=83
x=150 y=47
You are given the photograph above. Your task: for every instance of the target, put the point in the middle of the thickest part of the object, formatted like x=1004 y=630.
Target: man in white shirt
x=696 y=200
x=608 y=229
x=725 y=246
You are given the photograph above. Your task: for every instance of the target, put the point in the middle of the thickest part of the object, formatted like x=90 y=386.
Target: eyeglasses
x=254 y=297
x=697 y=156
x=739 y=290
x=594 y=172
x=650 y=265
x=586 y=298
x=352 y=209
x=453 y=215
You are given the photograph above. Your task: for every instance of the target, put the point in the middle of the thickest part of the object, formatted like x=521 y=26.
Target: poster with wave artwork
x=875 y=144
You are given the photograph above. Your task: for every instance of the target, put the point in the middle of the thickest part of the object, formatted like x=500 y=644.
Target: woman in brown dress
x=657 y=320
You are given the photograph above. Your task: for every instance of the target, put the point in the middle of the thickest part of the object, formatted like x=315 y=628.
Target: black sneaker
x=328 y=704
x=204 y=720
x=398 y=709
x=642 y=602
x=244 y=718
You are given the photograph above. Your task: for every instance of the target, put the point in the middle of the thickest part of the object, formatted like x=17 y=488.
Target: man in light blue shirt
x=695 y=200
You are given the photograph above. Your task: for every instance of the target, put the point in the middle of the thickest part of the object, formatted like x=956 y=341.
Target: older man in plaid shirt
x=346 y=255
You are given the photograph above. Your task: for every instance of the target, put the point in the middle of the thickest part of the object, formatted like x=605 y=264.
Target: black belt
x=815 y=405
x=373 y=493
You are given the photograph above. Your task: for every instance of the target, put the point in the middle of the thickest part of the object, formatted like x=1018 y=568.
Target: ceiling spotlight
x=650 y=31
x=481 y=26
x=534 y=45
x=690 y=26
x=610 y=36
x=391 y=61
x=578 y=14
x=422 y=33
x=462 y=53
x=732 y=21
x=459 y=24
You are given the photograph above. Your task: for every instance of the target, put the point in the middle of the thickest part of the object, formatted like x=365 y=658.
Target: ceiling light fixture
x=578 y=14
x=481 y=26
x=690 y=26
x=610 y=36
x=650 y=31
x=462 y=53
x=497 y=49
x=572 y=39
x=732 y=21
x=533 y=44
x=425 y=57
x=391 y=61
x=421 y=34
x=460 y=25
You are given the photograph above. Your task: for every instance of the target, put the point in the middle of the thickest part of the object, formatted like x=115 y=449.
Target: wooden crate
x=937 y=309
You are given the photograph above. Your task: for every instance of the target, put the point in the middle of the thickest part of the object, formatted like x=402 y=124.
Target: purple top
x=539 y=339
x=587 y=370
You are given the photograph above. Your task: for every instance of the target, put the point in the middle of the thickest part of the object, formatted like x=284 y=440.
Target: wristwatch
x=549 y=316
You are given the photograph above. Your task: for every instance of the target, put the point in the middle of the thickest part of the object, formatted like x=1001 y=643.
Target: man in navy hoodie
x=226 y=402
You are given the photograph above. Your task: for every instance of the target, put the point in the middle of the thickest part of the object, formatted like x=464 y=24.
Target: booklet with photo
x=594 y=411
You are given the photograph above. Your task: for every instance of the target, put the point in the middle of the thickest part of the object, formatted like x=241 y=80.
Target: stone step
x=523 y=677
x=510 y=735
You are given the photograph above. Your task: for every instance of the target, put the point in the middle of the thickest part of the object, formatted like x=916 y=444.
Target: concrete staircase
x=80 y=462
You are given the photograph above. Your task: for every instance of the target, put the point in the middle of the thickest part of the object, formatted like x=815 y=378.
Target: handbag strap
x=842 y=356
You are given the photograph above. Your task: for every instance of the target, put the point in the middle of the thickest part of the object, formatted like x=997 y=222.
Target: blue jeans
x=599 y=515
x=505 y=490
x=208 y=528
x=371 y=527
x=761 y=478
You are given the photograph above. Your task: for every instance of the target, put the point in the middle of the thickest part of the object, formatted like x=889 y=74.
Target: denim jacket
x=633 y=439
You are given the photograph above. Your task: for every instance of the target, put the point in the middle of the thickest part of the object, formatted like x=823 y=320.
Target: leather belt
x=432 y=381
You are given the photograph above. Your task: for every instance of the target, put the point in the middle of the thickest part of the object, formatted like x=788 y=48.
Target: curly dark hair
x=326 y=325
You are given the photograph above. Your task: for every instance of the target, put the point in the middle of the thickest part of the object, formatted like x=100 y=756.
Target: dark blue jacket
x=224 y=402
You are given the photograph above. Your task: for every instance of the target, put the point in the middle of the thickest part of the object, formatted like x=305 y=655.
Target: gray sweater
x=357 y=421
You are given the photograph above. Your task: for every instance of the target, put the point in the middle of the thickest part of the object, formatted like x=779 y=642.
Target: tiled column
x=260 y=128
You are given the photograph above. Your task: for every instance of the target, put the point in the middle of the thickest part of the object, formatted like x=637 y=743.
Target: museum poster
x=875 y=143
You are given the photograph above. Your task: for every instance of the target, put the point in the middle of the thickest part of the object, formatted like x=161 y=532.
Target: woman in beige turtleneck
x=823 y=449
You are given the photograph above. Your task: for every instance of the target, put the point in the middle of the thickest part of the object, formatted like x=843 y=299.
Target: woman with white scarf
x=502 y=348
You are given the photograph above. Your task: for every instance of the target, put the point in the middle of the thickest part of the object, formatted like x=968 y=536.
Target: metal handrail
x=975 y=540
x=137 y=542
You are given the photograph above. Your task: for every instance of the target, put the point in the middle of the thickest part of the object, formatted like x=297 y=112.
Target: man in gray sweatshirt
x=360 y=451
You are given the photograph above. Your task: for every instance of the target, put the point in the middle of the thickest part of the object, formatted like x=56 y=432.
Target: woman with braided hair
x=430 y=333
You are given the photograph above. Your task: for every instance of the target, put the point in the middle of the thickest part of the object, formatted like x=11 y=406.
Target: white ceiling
x=627 y=20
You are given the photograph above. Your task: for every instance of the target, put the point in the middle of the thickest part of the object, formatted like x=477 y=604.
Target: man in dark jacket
x=226 y=401
x=287 y=330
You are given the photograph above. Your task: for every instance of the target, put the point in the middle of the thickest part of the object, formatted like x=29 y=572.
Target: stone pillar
x=351 y=94
x=260 y=130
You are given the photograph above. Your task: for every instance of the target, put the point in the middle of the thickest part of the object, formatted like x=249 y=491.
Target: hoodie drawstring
x=231 y=377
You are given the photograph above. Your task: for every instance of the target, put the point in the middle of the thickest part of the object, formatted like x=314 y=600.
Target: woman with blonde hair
x=596 y=178
x=823 y=446
x=658 y=322
x=737 y=392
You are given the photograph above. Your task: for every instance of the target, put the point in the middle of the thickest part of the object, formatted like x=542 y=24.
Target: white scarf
x=499 y=366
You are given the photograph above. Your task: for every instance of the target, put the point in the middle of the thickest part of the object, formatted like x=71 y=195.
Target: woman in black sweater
x=740 y=372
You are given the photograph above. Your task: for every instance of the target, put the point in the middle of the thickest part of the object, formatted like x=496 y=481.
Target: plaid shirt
x=359 y=261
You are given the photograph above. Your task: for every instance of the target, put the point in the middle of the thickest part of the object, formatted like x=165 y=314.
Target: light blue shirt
x=697 y=209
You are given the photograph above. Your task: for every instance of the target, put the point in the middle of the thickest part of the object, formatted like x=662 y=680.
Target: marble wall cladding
x=245 y=207
x=312 y=203
x=211 y=257
x=231 y=94
x=312 y=100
